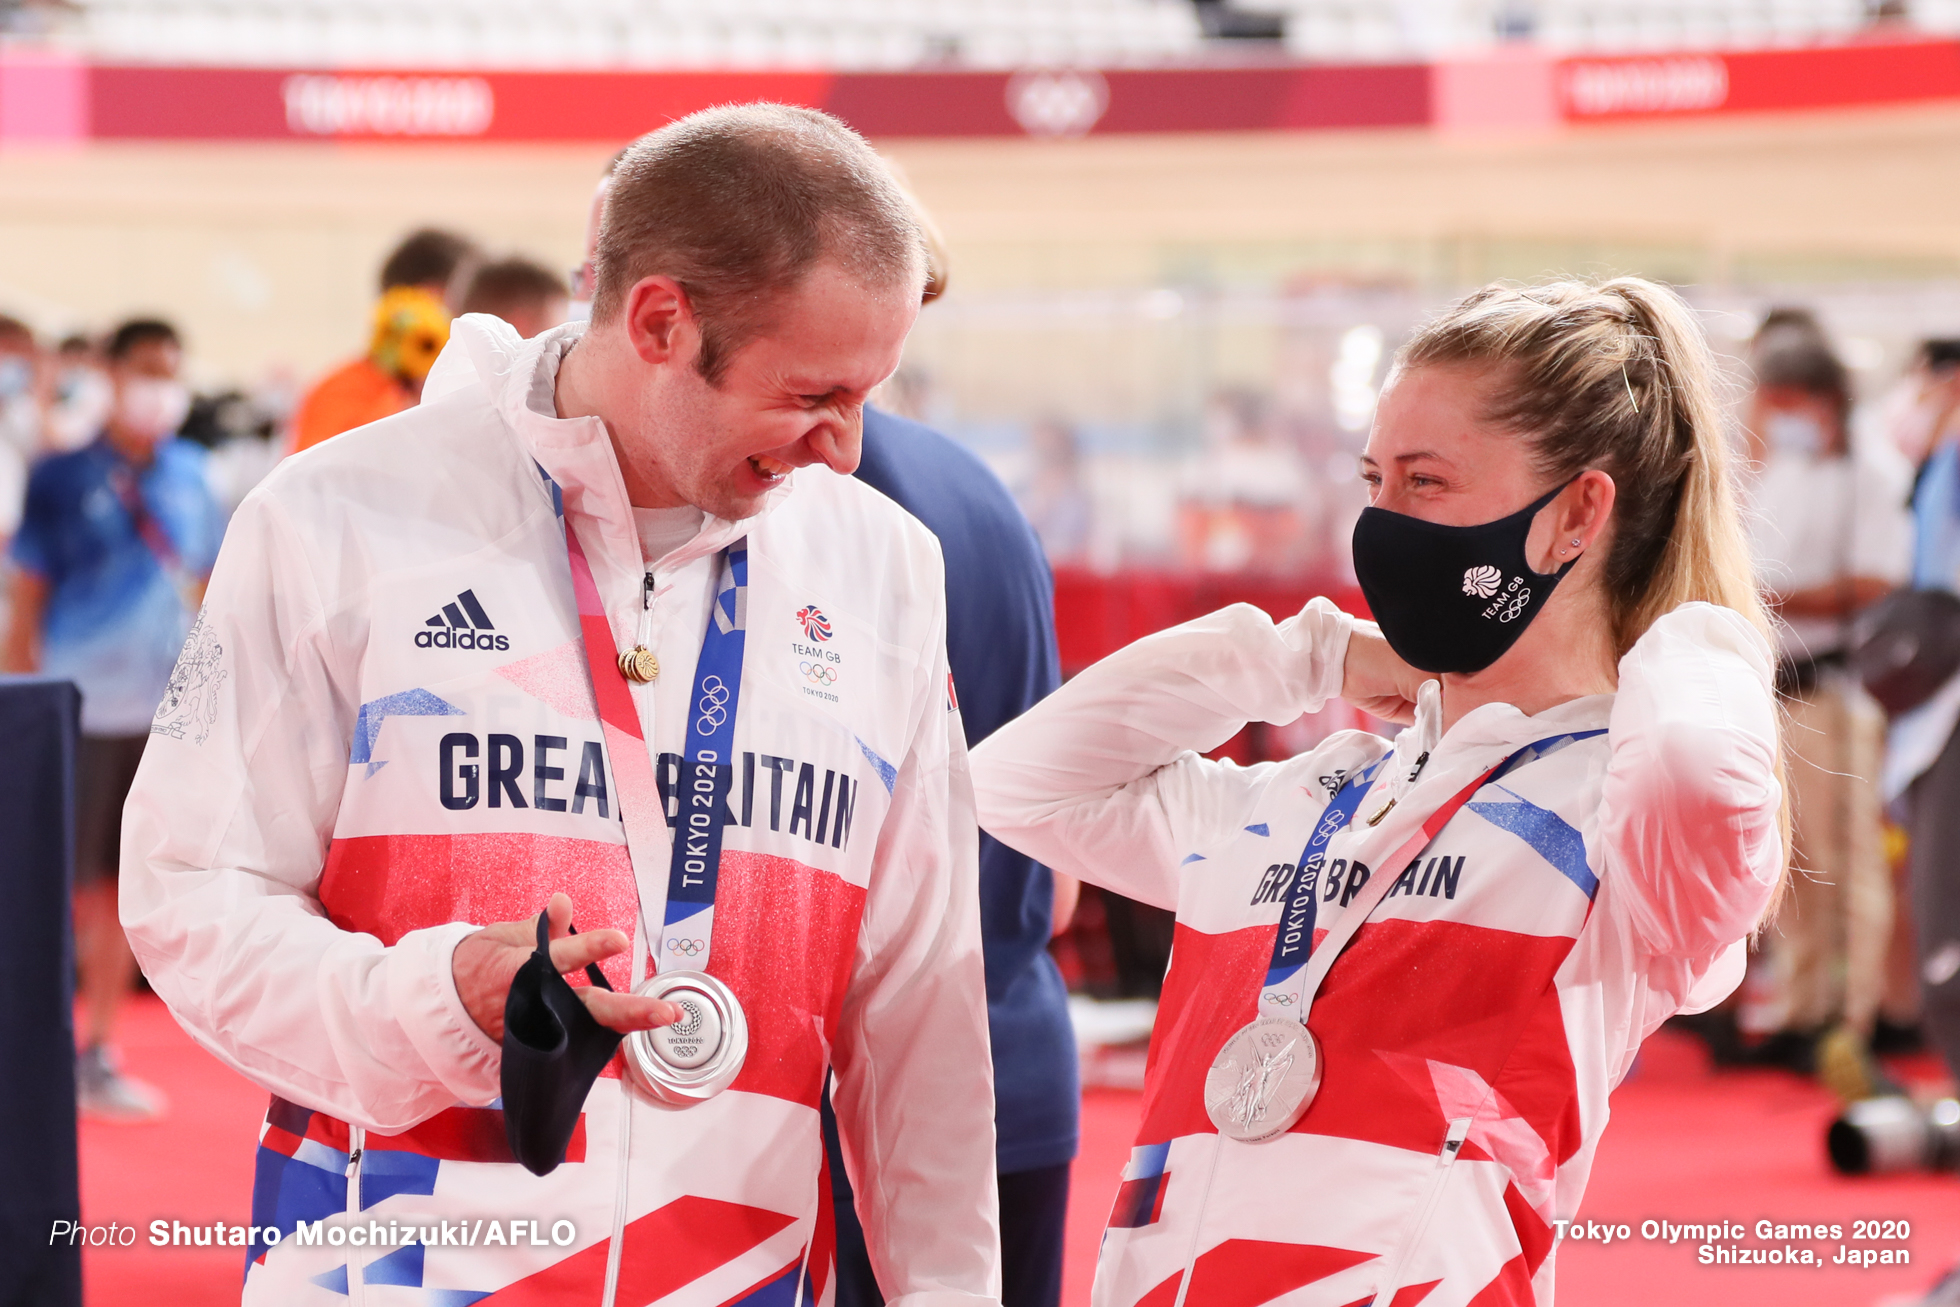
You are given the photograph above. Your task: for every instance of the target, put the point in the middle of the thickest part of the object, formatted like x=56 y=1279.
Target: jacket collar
x=518 y=378
x=578 y=452
x=1486 y=734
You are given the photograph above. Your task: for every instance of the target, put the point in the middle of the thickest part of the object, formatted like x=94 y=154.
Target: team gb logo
x=1481 y=582
x=814 y=623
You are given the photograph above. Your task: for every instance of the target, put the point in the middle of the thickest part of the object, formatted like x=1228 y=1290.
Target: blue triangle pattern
x=402 y=1266
x=334 y=1281
x=409 y=703
x=1549 y=835
x=886 y=772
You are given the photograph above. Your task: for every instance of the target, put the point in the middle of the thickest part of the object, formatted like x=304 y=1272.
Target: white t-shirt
x=1820 y=519
x=663 y=530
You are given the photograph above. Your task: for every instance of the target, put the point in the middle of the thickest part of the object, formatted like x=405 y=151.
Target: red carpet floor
x=1684 y=1146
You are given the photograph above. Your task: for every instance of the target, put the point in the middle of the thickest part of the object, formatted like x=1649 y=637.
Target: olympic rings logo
x=713 y=705
x=1282 y=1000
x=687 y=948
x=1515 y=608
x=819 y=673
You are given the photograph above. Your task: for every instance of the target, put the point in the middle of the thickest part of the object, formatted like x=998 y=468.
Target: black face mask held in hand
x=1450 y=598
x=553 y=1051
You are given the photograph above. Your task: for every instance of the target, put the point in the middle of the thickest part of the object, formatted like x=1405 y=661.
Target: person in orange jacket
x=411 y=325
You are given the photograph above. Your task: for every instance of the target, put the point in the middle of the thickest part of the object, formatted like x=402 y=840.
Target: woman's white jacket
x=1473 y=1029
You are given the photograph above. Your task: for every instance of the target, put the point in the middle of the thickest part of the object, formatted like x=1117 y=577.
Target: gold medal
x=639 y=664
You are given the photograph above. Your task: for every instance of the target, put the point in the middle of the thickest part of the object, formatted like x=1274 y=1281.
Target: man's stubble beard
x=681 y=440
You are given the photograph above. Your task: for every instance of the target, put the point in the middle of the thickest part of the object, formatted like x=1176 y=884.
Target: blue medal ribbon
x=1293 y=944
x=1295 y=939
x=706 y=773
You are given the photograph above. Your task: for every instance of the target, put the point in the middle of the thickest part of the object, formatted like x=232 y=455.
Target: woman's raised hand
x=1378 y=682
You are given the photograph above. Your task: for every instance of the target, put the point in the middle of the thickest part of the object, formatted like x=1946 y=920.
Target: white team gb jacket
x=383 y=734
x=1473 y=1028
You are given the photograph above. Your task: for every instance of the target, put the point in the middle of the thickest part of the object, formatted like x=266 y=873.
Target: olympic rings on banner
x=819 y=673
x=1283 y=1000
x=687 y=948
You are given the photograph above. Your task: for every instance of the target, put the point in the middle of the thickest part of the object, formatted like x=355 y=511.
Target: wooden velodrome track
x=265 y=253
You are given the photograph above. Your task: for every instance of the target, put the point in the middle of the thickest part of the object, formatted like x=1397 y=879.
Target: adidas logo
x=461 y=625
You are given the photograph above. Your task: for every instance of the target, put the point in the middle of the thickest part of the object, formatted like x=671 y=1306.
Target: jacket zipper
x=356 y=1275
x=623 y=1159
x=1452 y=1146
x=615 y=1248
x=1218 y=1142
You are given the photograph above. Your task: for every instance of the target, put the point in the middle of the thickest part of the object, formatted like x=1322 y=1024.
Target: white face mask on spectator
x=16 y=376
x=1795 y=434
x=152 y=407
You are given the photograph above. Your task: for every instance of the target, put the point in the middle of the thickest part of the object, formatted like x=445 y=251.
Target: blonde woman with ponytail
x=1566 y=846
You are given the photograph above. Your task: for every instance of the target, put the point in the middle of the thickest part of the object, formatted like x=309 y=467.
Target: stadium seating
x=891 y=34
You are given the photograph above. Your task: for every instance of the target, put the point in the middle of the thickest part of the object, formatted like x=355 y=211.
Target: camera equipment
x=1883 y=1136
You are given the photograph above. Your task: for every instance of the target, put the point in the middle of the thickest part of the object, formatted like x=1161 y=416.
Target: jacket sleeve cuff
x=422 y=991
x=1321 y=631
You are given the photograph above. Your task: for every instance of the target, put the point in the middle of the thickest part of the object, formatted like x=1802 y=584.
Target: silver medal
x=1263 y=1079
x=696 y=1057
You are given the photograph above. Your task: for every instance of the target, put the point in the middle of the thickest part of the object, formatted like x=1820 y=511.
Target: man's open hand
x=485 y=963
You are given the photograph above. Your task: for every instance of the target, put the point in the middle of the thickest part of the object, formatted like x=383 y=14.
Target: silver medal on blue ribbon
x=699 y=1055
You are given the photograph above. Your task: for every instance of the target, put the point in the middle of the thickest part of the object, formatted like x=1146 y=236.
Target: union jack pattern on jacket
x=1598 y=884
x=401 y=741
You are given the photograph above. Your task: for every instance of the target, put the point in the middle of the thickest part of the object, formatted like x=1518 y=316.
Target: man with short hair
x=433 y=260
x=529 y=296
x=599 y=629
x=410 y=327
x=113 y=549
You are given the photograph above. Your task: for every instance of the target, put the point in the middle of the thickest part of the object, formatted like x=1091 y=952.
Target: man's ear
x=660 y=320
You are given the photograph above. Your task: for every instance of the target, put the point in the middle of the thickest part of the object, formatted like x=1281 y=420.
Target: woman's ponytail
x=1704 y=553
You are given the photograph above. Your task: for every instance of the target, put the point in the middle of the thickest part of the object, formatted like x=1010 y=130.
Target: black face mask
x=1450 y=598
x=553 y=1051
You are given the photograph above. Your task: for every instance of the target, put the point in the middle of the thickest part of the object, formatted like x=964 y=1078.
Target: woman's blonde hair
x=1618 y=376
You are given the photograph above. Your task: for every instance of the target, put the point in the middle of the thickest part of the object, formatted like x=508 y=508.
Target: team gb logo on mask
x=1482 y=582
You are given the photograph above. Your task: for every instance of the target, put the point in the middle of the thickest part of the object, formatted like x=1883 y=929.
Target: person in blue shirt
x=114 y=546
x=1000 y=640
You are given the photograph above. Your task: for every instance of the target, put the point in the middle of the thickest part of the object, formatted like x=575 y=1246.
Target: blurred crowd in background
x=116 y=481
